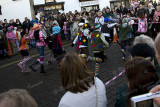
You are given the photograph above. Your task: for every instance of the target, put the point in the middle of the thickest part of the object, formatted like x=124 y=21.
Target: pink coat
x=11 y=36
x=156 y=14
x=42 y=43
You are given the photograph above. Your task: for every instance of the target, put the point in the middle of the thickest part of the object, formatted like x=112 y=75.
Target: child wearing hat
x=23 y=51
x=97 y=43
x=12 y=41
x=82 y=38
x=57 y=46
x=40 y=44
x=106 y=31
x=124 y=30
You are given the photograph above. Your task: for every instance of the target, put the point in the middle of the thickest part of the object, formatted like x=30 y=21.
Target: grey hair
x=144 y=39
x=19 y=97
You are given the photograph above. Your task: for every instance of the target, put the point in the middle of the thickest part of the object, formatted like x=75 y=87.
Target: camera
x=145 y=100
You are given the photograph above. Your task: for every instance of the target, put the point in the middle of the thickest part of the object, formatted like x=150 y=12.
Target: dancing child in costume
x=57 y=46
x=23 y=51
x=97 y=43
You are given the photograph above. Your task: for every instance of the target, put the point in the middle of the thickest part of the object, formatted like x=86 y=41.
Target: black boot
x=33 y=65
x=42 y=69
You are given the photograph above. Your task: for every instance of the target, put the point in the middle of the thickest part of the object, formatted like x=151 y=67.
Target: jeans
x=40 y=50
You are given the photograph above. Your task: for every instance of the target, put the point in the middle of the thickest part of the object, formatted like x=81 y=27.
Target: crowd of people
x=134 y=29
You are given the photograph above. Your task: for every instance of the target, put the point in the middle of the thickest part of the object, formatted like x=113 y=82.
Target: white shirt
x=99 y=20
x=87 y=98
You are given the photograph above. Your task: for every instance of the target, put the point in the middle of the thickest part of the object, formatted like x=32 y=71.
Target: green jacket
x=124 y=30
x=121 y=96
x=96 y=42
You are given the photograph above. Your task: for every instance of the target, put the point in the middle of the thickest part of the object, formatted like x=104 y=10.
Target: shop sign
x=88 y=3
x=58 y=7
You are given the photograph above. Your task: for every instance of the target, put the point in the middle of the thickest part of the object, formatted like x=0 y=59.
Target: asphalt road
x=46 y=88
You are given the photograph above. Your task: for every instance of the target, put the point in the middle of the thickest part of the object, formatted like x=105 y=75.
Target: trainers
x=20 y=65
x=123 y=51
x=24 y=70
x=123 y=58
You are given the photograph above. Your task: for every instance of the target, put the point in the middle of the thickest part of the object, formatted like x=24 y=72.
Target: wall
x=72 y=5
x=15 y=9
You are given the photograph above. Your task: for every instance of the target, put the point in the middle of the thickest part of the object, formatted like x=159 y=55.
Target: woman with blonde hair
x=17 y=98
x=83 y=89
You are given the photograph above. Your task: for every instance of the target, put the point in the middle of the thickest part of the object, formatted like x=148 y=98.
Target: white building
x=15 y=9
x=72 y=5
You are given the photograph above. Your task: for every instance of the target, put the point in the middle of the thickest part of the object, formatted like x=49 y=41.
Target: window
x=0 y=10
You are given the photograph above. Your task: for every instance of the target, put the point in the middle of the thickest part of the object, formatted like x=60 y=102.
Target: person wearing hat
x=106 y=31
x=99 y=19
x=124 y=30
x=57 y=46
x=40 y=44
x=82 y=38
x=98 y=42
x=12 y=41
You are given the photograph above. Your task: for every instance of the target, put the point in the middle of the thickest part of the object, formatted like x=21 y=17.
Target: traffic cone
x=115 y=37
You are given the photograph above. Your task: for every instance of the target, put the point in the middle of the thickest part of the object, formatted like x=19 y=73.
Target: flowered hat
x=36 y=26
x=56 y=30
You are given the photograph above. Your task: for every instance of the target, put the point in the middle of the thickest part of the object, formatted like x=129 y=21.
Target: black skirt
x=24 y=53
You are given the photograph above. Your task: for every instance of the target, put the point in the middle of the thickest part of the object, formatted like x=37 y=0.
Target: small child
x=98 y=42
x=75 y=28
x=57 y=46
x=65 y=30
x=124 y=30
x=23 y=51
x=82 y=38
x=106 y=31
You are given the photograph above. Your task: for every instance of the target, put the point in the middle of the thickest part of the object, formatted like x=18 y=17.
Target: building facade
x=70 y=5
x=13 y=9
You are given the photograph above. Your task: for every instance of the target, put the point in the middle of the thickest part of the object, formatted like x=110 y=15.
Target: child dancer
x=106 y=31
x=124 y=30
x=57 y=46
x=82 y=38
x=23 y=51
x=40 y=44
x=97 y=43
x=65 y=30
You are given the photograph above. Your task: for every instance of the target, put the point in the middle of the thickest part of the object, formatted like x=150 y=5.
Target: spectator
x=33 y=21
x=124 y=10
x=155 y=4
x=156 y=18
x=80 y=84
x=99 y=19
x=85 y=12
x=140 y=75
x=18 y=23
x=17 y=98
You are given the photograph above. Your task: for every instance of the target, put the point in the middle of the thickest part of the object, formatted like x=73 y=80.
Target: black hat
x=141 y=50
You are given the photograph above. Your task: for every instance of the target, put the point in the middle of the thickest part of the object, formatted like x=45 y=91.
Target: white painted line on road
x=6 y=65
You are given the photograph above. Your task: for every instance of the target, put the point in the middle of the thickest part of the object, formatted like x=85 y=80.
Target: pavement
x=46 y=88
